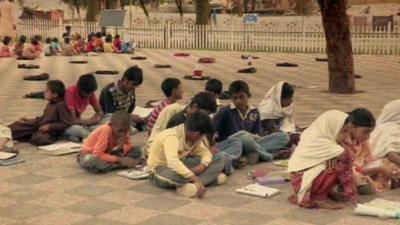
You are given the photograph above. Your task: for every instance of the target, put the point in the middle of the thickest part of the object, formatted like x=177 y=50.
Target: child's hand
x=201 y=190
x=127 y=162
x=44 y=128
x=199 y=169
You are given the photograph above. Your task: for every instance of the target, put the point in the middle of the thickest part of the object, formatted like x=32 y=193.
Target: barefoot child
x=385 y=143
x=109 y=147
x=19 y=46
x=323 y=159
x=169 y=153
x=238 y=130
x=32 y=51
x=276 y=109
x=173 y=92
x=47 y=128
x=5 y=50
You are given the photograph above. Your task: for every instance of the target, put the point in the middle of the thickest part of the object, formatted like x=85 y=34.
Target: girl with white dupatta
x=324 y=158
x=276 y=109
x=385 y=143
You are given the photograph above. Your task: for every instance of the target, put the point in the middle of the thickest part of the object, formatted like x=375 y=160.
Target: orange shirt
x=101 y=143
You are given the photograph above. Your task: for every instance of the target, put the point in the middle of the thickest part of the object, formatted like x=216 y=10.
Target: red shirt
x=117 y=44
x=90 y=46
x=156 y=112
x=78 y=104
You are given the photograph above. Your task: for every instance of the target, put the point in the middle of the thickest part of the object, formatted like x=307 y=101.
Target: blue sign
x=250 y=19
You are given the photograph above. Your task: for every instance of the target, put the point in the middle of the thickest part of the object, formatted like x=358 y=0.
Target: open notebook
x=379 y=208
x=135 y=174
x=258 y=190
x=142 y=112
x=61 y=148
x=7 y=159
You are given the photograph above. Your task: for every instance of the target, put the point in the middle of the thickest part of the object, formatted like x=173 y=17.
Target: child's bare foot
x=282 y=154
x=329 y=204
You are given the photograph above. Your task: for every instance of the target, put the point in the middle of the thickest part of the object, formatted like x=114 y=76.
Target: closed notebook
x=258 y=190
x=379 y=208
x=270 y=180
x=6 y=155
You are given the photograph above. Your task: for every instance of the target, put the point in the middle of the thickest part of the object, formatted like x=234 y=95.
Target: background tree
x=179 y=4
x=338 y=45
x=238 y=7
x=202 y=11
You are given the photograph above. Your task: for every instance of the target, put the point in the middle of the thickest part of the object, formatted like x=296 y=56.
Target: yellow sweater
x=169 y=148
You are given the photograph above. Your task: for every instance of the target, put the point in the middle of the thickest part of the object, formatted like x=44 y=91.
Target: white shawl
x=5 y=132
x=271 y=108
x=390 y=113
x=386 y=136
x=317 y=145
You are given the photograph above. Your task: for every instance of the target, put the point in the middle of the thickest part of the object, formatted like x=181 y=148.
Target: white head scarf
x=271 y=108
x=317 y=145
x=386 y=136
x=390 y=113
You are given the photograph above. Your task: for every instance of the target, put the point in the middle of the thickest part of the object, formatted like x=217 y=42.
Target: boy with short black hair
x=67 y=49
x=77 y=98
x=121 y=95
x=108 y=147
x=47 y=128
x=240 y=122
x=173 y=92
x=168 y=164
x=215 y=86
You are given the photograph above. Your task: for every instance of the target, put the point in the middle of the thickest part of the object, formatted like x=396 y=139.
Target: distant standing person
x=8 y=19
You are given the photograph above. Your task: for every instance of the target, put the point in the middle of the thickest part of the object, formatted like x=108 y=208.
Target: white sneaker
x=188 y=190
x=222 y=178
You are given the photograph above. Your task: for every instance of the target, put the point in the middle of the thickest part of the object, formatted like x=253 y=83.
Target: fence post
x=231 y=35
x=303 y=38
x=388 y=36
x=60 y=28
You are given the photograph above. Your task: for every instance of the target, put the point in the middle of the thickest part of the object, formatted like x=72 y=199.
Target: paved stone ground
x=55 y=191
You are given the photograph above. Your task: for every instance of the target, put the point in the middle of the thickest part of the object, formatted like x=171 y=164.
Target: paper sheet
x=142 y=112
x=6 y=155
x=61 y=146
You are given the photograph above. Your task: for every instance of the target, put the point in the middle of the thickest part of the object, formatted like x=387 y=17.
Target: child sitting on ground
x=48 y=49
x=170 y=157
x=67 y=48
x=117 y=44
x=40 y=45
x=5 y=50
x=173 y=92
x=127 y=46
x=19 y=46
x=240 y=123
x=79 y=44
x=98 y=43
x=276 y=109
x=56 y=46
x=32 y=51
x=90 y=43
x=6 y=144
x=108 y=147
x=108 y=46
x=47 y=128
x=215 y=86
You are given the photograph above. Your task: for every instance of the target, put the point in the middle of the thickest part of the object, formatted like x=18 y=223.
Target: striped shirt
x=154 y=115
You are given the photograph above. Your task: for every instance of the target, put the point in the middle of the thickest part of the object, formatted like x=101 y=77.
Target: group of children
x=203 y=141
x=73 y=44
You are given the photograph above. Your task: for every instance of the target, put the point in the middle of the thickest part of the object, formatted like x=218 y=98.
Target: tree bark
x=179 y=7
x=238 y=7
x=338 y=45
x=92 y=10
x=143 y=6
x=202 y=11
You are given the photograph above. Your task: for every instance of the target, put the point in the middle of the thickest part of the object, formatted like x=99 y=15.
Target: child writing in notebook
x=109 y=147
x=169 y=155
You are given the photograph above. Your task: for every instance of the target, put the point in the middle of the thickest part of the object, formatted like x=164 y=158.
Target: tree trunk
x=179 y=7
x=238 y=7
x=246 y=6
x=202 y=11
x=143 y=6
x=92 y=10
x=338 y=45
